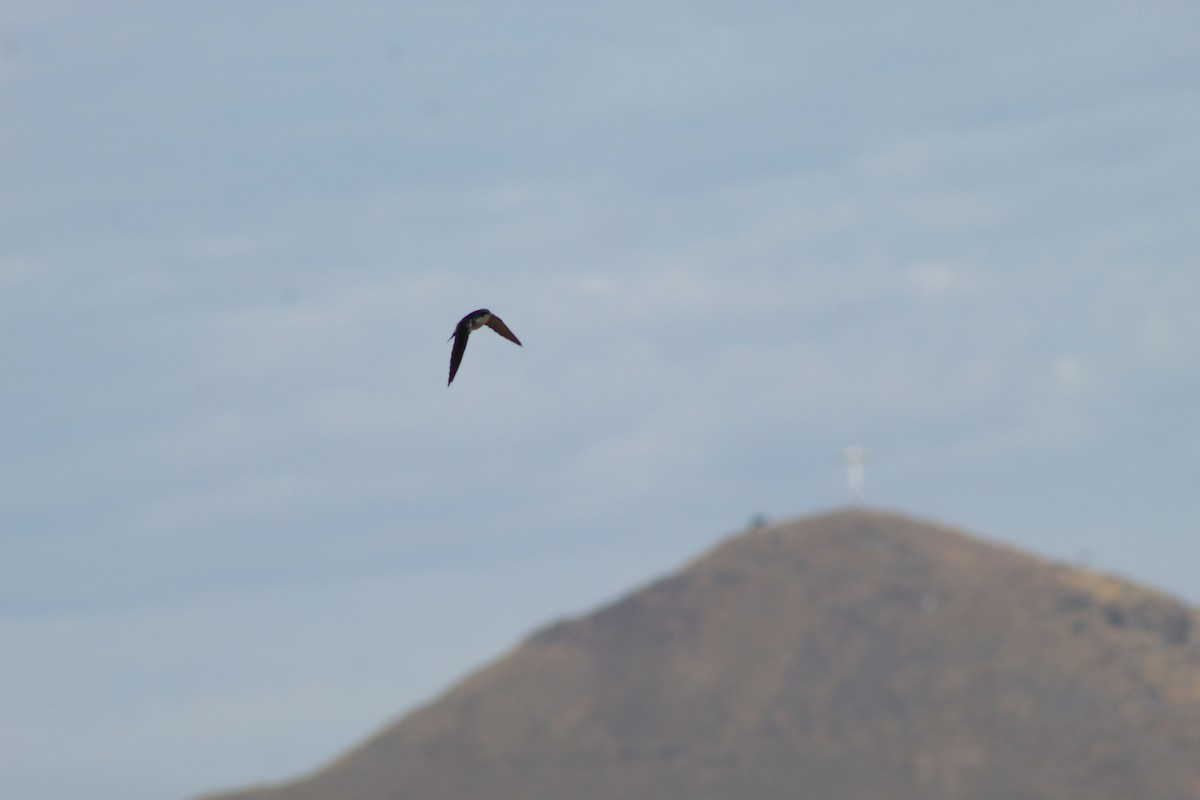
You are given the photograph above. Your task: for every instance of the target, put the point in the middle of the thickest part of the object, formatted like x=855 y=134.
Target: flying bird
x=474 y=321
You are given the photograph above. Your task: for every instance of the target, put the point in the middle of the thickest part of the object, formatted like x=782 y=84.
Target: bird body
x=471 y=322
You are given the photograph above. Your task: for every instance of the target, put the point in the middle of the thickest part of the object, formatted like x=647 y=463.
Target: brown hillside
x=856 y=654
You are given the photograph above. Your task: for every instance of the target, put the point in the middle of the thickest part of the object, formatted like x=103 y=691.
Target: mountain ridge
x=854 y=653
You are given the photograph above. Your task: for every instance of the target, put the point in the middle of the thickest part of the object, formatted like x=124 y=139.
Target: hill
x=856 y=654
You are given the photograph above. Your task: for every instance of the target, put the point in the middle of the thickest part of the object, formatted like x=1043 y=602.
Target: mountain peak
x=857 y=653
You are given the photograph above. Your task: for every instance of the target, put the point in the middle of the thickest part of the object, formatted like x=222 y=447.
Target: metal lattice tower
x=855 y=458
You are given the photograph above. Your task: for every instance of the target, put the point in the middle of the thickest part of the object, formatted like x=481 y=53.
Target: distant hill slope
x=856 y=654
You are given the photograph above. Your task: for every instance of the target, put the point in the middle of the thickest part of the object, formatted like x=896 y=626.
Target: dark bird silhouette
x=473 y=321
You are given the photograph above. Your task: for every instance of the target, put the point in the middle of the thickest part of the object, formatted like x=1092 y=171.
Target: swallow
x=474 y=321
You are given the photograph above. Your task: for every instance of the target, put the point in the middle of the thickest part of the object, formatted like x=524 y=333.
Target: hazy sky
x=243 y=521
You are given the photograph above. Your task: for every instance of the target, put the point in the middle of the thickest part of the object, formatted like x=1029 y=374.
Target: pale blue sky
x=243 y=521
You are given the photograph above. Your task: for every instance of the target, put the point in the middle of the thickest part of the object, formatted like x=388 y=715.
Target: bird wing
x=460 y=346
x=497 y=324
